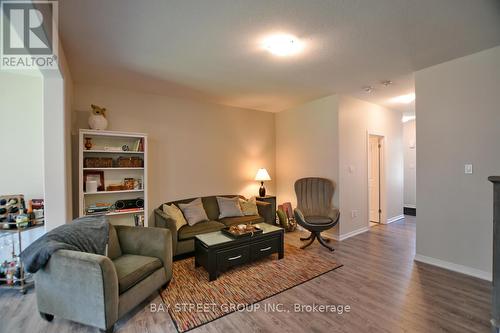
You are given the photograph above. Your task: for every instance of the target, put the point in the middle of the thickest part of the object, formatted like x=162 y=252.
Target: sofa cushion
x=194 y=212
x=229 y=221
x=283 y=218
x=249 y=207
x=114 y=249
x=188 y=232
x=173 y=212
x=132 y=269
x=229 y=207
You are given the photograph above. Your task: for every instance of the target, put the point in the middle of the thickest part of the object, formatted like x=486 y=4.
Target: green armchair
x=98 y=290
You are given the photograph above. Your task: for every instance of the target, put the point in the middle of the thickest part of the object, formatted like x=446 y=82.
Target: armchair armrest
x=150 y=242
x=78 y=286
x=265 y=210
x=163 y=221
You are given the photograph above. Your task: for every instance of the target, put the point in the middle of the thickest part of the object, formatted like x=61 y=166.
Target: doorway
x=375 y=146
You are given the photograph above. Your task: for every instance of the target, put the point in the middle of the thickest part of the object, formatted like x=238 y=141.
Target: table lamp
x=262 y=176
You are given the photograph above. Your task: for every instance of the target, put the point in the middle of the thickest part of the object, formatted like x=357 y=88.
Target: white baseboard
x=350 y=234
x=328 y=234
x=410 y=206
x=395 y=218
x=483 y=275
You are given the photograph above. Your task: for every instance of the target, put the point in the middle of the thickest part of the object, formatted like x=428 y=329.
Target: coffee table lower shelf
x=220 y=256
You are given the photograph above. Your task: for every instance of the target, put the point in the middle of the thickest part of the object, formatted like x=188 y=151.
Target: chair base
x=46 y=316
x=321 y=240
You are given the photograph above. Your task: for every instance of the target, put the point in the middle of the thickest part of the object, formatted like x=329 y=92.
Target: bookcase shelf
x=111 y=151
x=125 y=213
x=112 y=192
x=113 y=168
x=139 y=211
x=101 y=140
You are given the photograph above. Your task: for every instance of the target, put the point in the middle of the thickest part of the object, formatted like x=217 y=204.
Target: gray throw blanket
x=85 y=234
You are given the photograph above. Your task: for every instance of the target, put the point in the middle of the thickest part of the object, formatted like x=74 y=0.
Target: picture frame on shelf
x=94 y=175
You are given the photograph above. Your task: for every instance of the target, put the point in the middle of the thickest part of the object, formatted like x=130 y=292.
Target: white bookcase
x=114 y=145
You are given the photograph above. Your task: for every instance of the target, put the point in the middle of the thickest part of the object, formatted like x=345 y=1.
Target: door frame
x=382 y=177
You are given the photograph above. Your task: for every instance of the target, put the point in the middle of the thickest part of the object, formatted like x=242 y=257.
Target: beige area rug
x=193 y=301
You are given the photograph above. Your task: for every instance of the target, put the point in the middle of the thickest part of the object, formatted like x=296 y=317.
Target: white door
x=374 y=178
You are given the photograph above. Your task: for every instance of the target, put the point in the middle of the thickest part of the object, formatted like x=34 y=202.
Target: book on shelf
x=128 y=210
x=95 y=213
x=139 y=220
x=138 y=145
x=98 y=208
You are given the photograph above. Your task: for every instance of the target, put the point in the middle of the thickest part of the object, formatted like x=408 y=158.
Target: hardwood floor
x=386 y=290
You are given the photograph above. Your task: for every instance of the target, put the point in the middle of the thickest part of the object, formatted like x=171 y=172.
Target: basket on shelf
x=130 y=162
x=115 y=187
x=98 y=162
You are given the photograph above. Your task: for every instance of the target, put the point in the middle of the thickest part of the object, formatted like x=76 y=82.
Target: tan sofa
x=183 y=239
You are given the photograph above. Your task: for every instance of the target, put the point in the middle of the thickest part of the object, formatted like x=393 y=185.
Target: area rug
x=193 y=301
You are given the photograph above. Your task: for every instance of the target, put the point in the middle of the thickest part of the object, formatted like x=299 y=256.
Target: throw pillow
x=283 y=219
x=113 y=249
x=249 y=207
x=229 y=207
x=194 y=212
x=175 y=214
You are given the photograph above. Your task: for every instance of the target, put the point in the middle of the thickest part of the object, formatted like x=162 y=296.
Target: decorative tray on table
x=241 y=230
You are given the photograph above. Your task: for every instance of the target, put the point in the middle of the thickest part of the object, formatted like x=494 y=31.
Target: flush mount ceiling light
x=386 y=83
x=404 y=99
x=368 y=89
x=283 y=45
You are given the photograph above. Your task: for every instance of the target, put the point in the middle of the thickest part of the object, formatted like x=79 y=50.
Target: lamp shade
x=262 y=175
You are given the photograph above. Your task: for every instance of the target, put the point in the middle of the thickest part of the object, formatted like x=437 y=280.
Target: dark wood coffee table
x=217 y=252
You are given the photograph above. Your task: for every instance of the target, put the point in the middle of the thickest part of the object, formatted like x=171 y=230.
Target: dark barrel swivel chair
x=315 y=211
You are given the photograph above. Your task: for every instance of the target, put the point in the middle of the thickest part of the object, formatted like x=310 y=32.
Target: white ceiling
x=209 y=50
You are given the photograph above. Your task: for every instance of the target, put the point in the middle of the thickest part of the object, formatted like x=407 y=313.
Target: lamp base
x=262 y=190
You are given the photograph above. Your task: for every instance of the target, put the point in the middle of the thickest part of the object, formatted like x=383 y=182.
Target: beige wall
x=306 y=145
x=327 y=136
x=410 y=158
x=21 y=134
x=356 y=119
x=195 y=149
x=57 y=119
x=458 y=117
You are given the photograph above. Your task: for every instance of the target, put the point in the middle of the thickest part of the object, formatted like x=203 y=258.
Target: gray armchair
x=98 y=290
x=315 y=211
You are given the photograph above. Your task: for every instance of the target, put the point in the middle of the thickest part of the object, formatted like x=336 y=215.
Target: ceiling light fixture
x=368 y=89
x=283 y=45
x=404 y=99
x=386 y=83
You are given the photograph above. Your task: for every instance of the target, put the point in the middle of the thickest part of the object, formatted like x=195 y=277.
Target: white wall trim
x=383 y=178
x=410 y=206
x=350 y=234
x=394 y=219
x=483 y=275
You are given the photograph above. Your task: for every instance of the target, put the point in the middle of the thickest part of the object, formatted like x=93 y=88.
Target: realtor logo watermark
x=29 y=35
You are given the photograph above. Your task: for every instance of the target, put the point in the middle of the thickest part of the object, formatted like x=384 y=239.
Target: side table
x=272 y=200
